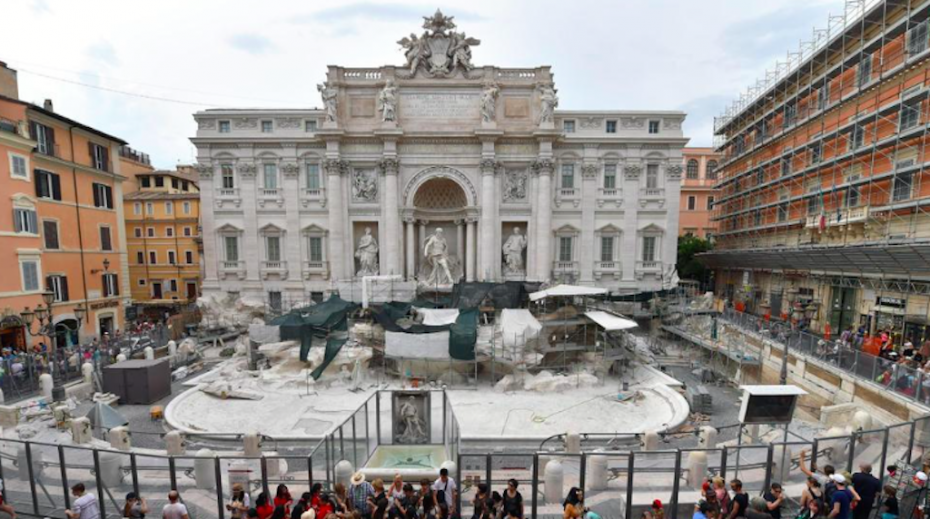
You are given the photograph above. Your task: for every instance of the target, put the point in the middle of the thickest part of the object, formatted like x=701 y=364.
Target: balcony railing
x=567 y=192
x=232 y=265
x=561 y=267
x=610 y=192
x=269 y=193
x=320 y=268
x=652 y=192
x=649 y=265
x=838 y=218
x=228 y=192
x=274 y=265
x=607 y=266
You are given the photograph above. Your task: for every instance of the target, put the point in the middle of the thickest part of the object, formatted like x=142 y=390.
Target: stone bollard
x=119 y=438
x=450 y=466
x=252 y=445
x=110 y=471
x=46 y=383
x=572 y=443
x=554 y=479
x=205 y=469
x=149 y=353
x=697 y=466
x=174 y=443
x=597 y=472
x=172 y=349
x=651 y=441
x=708 y=437
x=87 y=370
x=343 y=472
x=81 y=431
x=121 y=358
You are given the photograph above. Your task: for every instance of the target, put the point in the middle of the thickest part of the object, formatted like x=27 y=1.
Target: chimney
x=48 y=105
x=9 y=85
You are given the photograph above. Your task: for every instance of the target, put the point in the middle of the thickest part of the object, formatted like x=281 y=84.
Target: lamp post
x=45 y=317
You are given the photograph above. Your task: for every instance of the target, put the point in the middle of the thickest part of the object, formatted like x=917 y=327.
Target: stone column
x=470 y=251
x=543 y=169
x=460 y=241
x=292 y=242
x=488 y=201
x=249 y=250
x=588 y=203
x=629 y=246
x=208 y=223
x=334 y=170
x=672 y=206
x=411 y=247
x=390 y=240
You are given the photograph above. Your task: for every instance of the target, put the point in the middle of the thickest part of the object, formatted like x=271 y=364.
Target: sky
x=139 y=69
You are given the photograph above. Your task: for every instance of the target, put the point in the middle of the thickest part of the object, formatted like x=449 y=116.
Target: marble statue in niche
x=489 y=102
x=436 y=253
x=367 y=255
x=548 y=102
x=387 y=102
x=513 y=253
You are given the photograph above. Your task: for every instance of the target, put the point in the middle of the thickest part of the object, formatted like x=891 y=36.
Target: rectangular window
x=782 y=212
x=187 y=231
x=611 y=126
x=649 y=248
x=267 y=126
x=149 y=208
x=790 y=113
x=568 y=176
x=692 y=203
x=25 y=221
x=917 y=38
x=607 y=248
x=103 y=196
x=760 y=177
x=142 y=282
x=140 y=258
x=229 y=176
x=816 y=153
x=568 y=126
x=159 y=181
x=173 y=285
x=275 y=301
x=903 y=183
x=910 y=115
x=273 y=248
x=224 y=126
x=172 y=257
x=652 y=176
x=864 y=72
x=137 y=208
x=174 y=183
x=739 y=144
x=610 y=176
x=710 y=203
x=187 y=207
x=856 y=137
x=137 y=232
x=853 y=194
x=313 y=176
x=813 y=202
x=59 y=286
x=19 y=167
x=48 y=185
x=151 y=232
x=757 y=218
x=764 y=129
x=785 y=166
x=270 y=176
x=185 y=186
x=316 y=249
x=145 y=181
x=44 y=137
x=310 y=126
x=823 y=95
x=110 y=285
x=50 y=234
x=99 y=157
x=153 y=257
x=711 y=170
x=565 y=248
x=189 y=257
x=106 y=243
x=169 y=232
x=232 y=248
x=30 y=273
x=169 y=207
x=653 y=127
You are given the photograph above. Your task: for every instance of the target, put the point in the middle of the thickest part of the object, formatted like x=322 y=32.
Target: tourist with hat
x=842 y=500
x=360 y=491
x=239 y=502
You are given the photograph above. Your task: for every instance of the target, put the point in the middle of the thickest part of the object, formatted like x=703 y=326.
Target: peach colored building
x=698 y=192
x=61 y=222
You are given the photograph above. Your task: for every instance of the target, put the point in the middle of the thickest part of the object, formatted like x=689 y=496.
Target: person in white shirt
x=446 y=485
x=85 y=505
x=174 y=509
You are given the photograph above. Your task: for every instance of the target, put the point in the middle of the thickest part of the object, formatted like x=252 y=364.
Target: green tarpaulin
x=320 y=320
x=334 y=343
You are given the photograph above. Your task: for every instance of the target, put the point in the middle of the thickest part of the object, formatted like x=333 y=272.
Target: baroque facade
x=437 y=171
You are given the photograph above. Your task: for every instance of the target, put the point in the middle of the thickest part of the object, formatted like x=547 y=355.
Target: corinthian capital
x=489 y=166
x=543 y=166
x=390 y=165
x=336 y=167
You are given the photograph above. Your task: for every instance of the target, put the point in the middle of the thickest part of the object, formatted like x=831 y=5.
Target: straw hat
x=358 y=478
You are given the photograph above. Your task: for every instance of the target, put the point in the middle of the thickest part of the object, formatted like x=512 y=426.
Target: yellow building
x=163 y=237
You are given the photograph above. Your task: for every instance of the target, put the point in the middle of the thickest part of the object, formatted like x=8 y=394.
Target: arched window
x=693 y=169
x=712 y=170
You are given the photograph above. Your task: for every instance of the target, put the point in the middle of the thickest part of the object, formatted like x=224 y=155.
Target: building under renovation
x=824 y=192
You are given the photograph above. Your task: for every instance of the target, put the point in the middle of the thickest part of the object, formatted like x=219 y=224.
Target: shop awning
x=610 y=322
x=567 y=291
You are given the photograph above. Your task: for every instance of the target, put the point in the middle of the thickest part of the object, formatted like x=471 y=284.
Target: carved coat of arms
x=440 y=51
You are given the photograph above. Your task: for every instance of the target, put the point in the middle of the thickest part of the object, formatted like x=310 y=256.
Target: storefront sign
x=895 y=302
x=104 y=304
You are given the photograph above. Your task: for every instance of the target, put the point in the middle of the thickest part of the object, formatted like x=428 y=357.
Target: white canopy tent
x=567 y=291
x=610 y=322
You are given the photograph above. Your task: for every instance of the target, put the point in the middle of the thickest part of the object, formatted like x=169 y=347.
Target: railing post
x=676 y=484
x=629 y=486
x=458 y=477
x=488 y=459
x=355 y=442
x=769 y=455
x=723 y=463
x=310 y=470
x=534 y=503
x=910 y=441
x=816 y=446
x=218 y=472
x=583 y=463
x=101 y=492
x=367 y=433
x=378 y=416
x=884 y=459
x=32 y=478
x=264 y=467
x=134 y=469
x=64 y=477
x=172 y=472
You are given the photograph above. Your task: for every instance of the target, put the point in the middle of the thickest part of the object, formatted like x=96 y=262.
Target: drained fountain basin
x=412 y=462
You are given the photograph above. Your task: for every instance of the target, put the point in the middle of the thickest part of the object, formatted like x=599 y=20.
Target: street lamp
x=45 y=317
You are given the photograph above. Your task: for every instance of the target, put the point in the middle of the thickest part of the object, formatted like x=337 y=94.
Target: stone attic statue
x=387 y=101
x=436 y=252
x=513 y=252
x=410 y=416
x=367 y=254
x=548 y=102
x=329 y=96
x=489 y=102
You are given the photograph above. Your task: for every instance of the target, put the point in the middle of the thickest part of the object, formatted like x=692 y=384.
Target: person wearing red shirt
x=283 y=498
x=263 y=507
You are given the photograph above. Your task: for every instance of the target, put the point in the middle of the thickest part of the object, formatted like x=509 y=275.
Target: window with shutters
x=149 y=208
x=110 y=285
x=103 y=196
x=137 y=232
x=140 y=258
x=25 y=221
x=153 y=257
x=59 y=286
x=44 y=137
x=565 y=248
x=316 y=249
x=99 y=157
x=172 y=259
x=189 y=257
x=106 y=241
x=48 y=185
x=903 y=186
x=229 y=176
x=29 y=269
x=19 y=166
x=137 y=208
x=692 y=202
x=150 y=232
x=50 y=234
x=649 y=248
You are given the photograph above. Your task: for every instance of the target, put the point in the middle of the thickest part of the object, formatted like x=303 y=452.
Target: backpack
x=828 y=490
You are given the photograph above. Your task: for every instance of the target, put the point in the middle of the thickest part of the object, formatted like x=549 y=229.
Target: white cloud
x=635 y=54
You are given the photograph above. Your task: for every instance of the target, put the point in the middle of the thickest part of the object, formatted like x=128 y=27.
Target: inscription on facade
x=439 y=106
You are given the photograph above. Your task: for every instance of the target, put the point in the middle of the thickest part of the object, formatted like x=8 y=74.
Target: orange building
x=61 y=217
x=698 y=192
x=162 y=225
